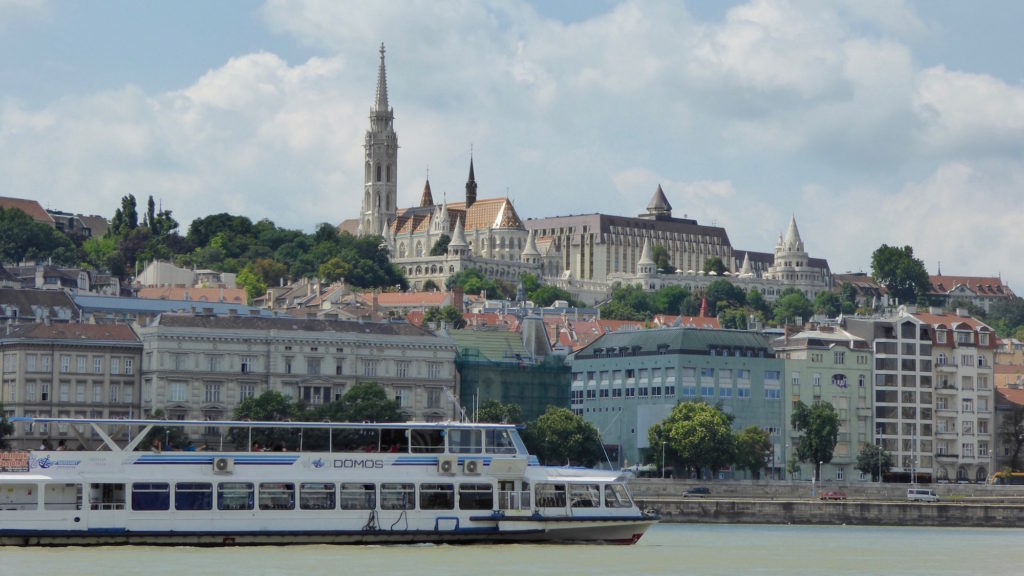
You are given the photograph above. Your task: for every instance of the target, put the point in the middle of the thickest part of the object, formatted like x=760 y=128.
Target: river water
x=666 y=549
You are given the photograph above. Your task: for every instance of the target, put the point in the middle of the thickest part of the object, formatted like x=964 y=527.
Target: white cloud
x=780 y=107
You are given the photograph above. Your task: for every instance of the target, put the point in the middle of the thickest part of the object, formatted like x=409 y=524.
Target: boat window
x=277 y=496
x=550 y=495
x=394 y=441
x=427 y=441
x=361 y=440
x=106 y=496
x=151 y=496
x=476 y=497
x=235 y=496
x=585 y=495
x=397 y=496
x=193 y=496
x=316 y=496
x=358 y=496
x=63 y=497
x=464 y=441
x=616 y=496
x=437 y=496
x=19 y=497
x=499 y=442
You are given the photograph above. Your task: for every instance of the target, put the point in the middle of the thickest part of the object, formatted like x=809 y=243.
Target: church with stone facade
x=484 y=233
x=584 y=254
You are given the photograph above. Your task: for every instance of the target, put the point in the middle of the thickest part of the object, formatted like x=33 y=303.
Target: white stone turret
x=530 y=253
x=458 y=245
x=645 y=266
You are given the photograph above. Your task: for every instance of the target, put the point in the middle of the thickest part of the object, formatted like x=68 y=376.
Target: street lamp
x=878 y=454
x=663 y=459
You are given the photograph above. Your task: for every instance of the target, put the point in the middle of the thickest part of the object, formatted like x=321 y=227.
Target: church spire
x=470 y=184
x=382 y=84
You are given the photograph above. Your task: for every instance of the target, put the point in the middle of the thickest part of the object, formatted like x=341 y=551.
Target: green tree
x=496 y=412
x=722 y=294
x=271 y=406
x=753 y=449
x=903 y=275
x=334 y=270
x=254 y=286
x=733 y=318
x=450 y=315
x=559 y=437
x=440 y=248
x=696 y=436
x=473 y=282
x=873 y=460
x=714 y=264
x=848 y=298
x=1011 y=431
x=669 y=300
x=661 y=260
x=22 y=238
x=628 y=303
x=1006 y=315
x=363 y=402
x=827 y=303
x=792 y=307
x=6 y=428
x=166 y=437
x=757 y=303
x=547 y=294
x=819 y=425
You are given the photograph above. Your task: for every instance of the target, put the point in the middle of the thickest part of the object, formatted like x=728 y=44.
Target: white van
x=922 y=495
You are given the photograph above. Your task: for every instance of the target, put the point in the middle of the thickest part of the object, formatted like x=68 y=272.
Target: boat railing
x=514 y=500
x=106 y=506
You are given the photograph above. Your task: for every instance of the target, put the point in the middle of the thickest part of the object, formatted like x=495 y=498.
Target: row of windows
x=313 y=365
x=236 y=496
x=70 y=364
x=79 y=393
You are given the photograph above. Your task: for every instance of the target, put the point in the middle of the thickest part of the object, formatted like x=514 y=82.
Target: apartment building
x=829 y=364
x=933 y=387
x=69 y=371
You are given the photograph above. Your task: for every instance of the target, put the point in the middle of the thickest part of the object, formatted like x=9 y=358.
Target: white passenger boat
x=372 y=483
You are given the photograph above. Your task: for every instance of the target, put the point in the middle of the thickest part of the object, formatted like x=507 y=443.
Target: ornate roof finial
x=382 y=83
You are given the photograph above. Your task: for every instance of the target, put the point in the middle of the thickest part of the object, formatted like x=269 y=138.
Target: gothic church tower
x=380 y=194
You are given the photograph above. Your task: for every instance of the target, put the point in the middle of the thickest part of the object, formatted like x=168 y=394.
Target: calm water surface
x=666 y=549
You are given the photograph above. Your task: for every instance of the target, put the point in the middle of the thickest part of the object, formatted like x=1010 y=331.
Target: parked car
x=921 y=495
x=833 y=495
x=696 y=491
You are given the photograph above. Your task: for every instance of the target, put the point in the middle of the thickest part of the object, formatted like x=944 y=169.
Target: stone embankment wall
x=866 y=504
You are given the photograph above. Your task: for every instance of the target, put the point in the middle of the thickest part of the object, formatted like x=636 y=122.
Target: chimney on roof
x=963 y=313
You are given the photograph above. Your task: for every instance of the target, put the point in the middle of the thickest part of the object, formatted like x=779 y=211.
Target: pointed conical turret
x=458 y=244
x=793 y=241
x=746 y=265
x=658 y=207
x=530 y=253
x=645 y=266
x=470 y=185
x=427 y=199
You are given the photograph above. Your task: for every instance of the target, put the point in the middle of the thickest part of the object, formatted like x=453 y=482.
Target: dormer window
x=940 y=336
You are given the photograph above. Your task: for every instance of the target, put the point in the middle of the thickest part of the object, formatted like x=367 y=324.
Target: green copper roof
x=493 y=345
x=677 y=339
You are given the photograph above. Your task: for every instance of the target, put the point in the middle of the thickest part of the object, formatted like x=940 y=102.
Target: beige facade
x=69 y=371
x=202 y=367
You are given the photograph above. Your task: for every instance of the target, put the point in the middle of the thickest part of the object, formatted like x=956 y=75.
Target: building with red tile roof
x=982 y=291
x=30 y=207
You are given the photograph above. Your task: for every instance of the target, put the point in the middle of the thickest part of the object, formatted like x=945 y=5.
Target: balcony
x=945 y=456
x=945 y=433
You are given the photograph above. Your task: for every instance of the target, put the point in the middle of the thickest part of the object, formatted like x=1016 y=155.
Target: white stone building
x=202 y=366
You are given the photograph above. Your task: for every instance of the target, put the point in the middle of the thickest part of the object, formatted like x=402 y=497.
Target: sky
x=870 y=121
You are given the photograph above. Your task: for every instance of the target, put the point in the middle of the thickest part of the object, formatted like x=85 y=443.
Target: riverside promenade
x=792 y=502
